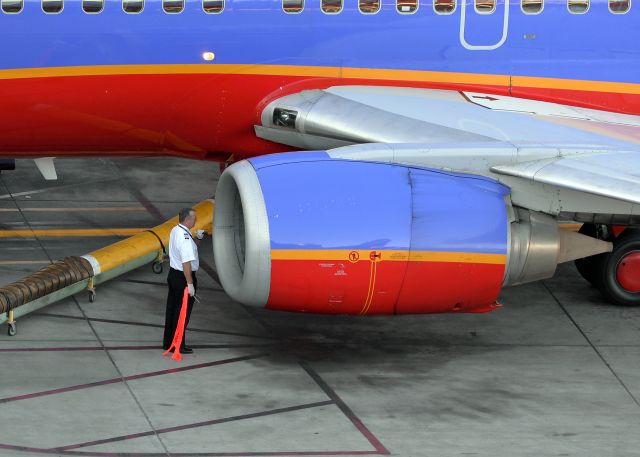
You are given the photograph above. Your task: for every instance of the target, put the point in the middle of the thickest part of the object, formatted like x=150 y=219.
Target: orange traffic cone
x=177 y=337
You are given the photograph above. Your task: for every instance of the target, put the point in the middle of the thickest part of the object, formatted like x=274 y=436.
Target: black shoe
x=186 y=350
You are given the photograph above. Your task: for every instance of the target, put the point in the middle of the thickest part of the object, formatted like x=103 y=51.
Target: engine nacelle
x=305 y=232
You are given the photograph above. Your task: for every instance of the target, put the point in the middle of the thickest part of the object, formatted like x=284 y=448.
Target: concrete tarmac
x=555 y=372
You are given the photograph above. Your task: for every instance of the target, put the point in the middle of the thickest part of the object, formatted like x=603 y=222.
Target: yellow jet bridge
x=73 y=275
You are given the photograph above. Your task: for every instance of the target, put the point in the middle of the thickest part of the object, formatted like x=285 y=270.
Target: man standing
x=183 y=262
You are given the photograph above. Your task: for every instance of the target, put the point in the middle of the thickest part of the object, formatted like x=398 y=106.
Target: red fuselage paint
x=199 y=116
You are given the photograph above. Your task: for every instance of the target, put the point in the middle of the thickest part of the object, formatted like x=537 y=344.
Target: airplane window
x=578 y=6
x=331 y=6
x=532 y=6
x=485 y=6
x=12 y=6
x=133 y=6
x=173 y=6
x=407 y=6
x=52 y=6
x=444 y=6
x=293 y=6
x=369 y=6
x=92 y=6
x=212 y=6
x=619 y=6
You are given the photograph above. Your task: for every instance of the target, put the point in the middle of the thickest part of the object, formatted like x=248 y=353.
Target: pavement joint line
x=146 y=324
x=128 y=348
x=70 y=233
x=81 y=340
x=593 y=346
x=12 y=195
x=163 y=284
x=249 y=311
x=213 y=274
x=26 y=220
x=348 y=412
x=164 y=202
x=391 y=344
x=185 y=454
x=25 y=262
x=195 y=425
x=74 y=209
x=135 y=377
x=122 y=377
x=138 y=194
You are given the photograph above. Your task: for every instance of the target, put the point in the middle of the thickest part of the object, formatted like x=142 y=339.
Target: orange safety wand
x=177 y=338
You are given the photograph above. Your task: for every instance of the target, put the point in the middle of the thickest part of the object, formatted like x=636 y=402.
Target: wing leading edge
x=570 y=162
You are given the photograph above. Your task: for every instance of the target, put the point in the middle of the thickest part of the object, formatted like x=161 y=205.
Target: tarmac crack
x=27 y=222
x=137 y=193
x=348 y=412
x=146 y=324
x=149 y=374
x=593 y=346
x=122 y=378
x=196 y=425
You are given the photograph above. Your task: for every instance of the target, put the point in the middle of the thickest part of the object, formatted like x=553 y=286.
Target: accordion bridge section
x=76 y=274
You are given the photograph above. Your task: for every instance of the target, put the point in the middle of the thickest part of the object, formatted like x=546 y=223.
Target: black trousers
x=177 y=284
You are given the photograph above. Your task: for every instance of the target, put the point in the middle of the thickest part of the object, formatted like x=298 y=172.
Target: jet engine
x=305 y=232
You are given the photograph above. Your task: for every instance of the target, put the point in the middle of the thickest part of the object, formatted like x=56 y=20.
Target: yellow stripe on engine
x=332 y=254
x=387 y=255
x=458 y=257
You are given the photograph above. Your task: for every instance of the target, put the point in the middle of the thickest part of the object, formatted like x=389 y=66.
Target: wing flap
x=612 y=174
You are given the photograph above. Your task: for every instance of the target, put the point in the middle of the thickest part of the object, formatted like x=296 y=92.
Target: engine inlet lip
x=248 y=283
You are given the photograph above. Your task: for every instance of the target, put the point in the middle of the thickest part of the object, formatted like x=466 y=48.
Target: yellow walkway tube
x=43 y=287
x=144 y=243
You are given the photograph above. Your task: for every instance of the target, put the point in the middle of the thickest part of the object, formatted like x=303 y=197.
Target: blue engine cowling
x=305 y=232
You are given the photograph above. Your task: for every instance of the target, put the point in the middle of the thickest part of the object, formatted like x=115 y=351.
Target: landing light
x=208 y=56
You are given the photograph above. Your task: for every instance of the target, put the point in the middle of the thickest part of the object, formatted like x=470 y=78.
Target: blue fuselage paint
x=597 y=45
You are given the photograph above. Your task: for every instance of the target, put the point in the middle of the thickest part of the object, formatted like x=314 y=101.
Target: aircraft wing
x=577 y=163
x=338 y=116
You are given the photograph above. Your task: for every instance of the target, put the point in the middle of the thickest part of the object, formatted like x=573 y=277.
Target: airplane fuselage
x=193 y=84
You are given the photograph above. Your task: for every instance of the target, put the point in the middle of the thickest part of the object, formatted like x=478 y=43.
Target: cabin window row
x=96 y=6
x=449 y=6
x=327 y=6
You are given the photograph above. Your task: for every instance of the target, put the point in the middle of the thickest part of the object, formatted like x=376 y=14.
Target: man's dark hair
x=184 y=213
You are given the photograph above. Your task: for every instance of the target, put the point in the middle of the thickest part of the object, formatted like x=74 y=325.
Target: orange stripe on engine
x=388 y=255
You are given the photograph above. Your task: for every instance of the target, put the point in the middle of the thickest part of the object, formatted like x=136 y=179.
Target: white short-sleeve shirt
x=182 y=248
